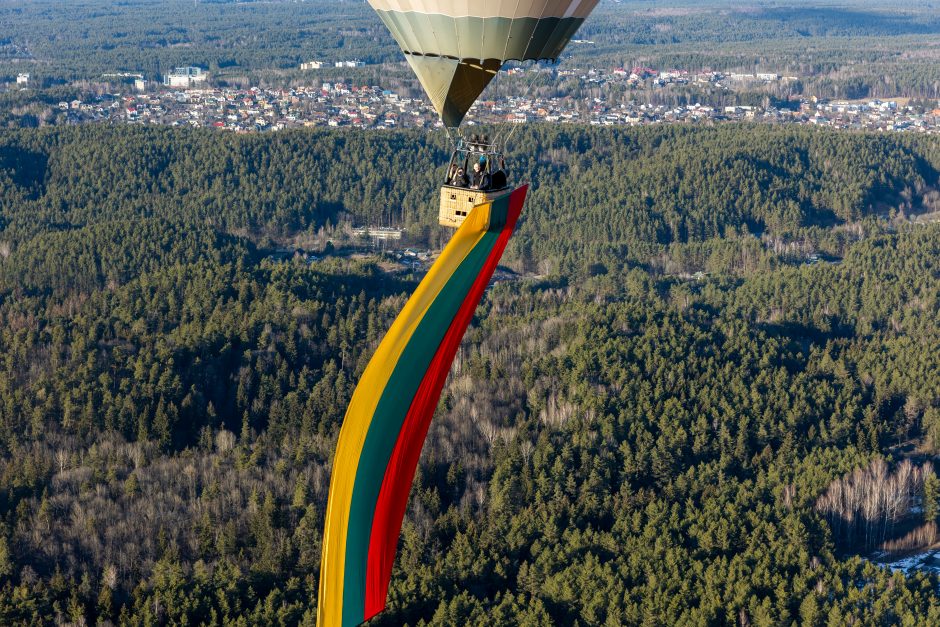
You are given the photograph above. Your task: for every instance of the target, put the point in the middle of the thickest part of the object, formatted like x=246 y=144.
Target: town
x=619 y=97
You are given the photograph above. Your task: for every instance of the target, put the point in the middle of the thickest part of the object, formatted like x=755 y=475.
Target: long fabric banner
x=390 y=412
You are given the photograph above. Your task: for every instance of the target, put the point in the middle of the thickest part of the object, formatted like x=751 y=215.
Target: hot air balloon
x=456 y=47
x=389 y=414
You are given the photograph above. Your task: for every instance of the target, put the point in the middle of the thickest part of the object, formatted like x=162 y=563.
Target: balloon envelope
x=456 y=47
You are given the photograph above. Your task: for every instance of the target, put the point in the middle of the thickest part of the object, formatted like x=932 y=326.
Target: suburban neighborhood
x=630 y=97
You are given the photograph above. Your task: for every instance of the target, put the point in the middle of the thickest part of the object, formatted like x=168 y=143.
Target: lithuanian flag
x=389 y=414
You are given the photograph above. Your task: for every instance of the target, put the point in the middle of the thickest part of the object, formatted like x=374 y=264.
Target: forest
x=711 y=345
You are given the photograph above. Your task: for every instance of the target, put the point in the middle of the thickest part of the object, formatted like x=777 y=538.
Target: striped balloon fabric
x=389 y=414
x=456 y=47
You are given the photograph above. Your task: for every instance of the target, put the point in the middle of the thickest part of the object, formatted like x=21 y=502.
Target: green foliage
x=93 y=38
x=931 y=496
x=619 y=442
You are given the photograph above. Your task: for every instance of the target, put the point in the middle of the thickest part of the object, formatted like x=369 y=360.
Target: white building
x=356 y=63
x=22 y=79
x=140 y=84
x=185 y=77
x=311 y=65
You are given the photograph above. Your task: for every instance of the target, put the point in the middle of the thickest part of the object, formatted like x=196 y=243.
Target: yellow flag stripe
x=362 y=408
